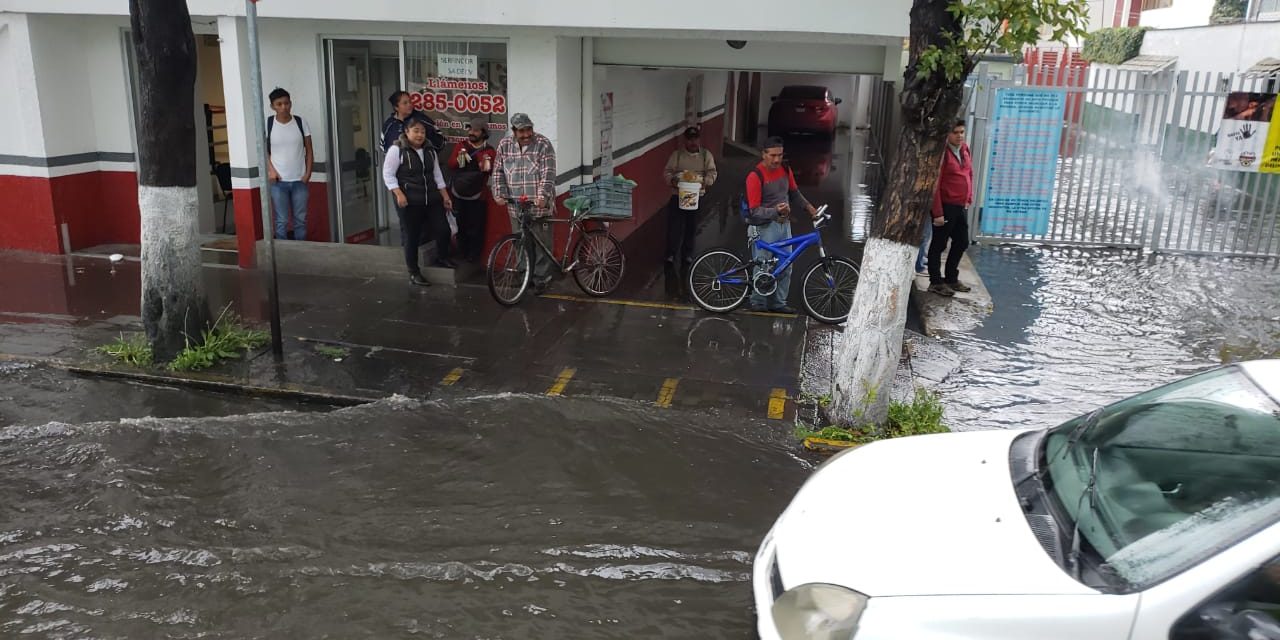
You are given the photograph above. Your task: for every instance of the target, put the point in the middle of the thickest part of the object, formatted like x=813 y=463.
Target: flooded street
x=504 y=516
x=1074 y=329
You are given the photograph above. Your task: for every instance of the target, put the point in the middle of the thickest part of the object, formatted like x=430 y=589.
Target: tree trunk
x=871 y=343
x=173 y=302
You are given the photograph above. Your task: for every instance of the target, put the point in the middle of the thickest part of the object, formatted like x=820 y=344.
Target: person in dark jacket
x=394 y=125
x=950 y=214
x=411 y=172
x=471 y=165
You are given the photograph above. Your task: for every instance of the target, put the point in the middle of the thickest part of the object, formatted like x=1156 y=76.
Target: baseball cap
x=693 y=132
x=521 y=121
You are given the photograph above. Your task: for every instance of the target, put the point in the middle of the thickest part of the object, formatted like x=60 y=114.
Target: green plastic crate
x=610 y=197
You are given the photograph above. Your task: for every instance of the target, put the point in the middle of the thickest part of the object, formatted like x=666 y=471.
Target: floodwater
x=1075 y=329
x=492 y=517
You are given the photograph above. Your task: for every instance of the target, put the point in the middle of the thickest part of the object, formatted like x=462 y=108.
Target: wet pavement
x=564 y=468
x=499 y=516
x=1075 y=329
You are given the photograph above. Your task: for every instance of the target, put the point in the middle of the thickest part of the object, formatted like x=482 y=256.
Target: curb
x=205 y=382
x=823 y=445
x=226 y=385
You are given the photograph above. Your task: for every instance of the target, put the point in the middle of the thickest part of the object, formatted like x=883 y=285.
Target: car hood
x=927 y=515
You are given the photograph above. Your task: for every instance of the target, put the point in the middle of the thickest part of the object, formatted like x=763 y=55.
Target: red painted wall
x=27 y=222
x=99 y=207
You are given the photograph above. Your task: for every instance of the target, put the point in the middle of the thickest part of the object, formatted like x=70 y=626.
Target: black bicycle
x=592 y=254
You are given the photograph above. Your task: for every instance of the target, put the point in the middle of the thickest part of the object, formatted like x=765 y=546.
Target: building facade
x=67 y=127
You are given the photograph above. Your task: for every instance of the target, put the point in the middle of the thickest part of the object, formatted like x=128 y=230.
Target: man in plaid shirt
x=526 y=167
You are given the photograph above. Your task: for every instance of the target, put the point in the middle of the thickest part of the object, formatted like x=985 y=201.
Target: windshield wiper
x=1090 y=488
x=1089 y=422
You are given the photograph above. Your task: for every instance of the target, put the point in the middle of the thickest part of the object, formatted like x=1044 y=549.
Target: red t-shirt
x=755 y=189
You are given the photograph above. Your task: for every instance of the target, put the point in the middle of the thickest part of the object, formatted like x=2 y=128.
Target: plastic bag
x=453 y=223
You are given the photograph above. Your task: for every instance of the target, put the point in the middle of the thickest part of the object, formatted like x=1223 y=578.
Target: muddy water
x=1072 y=330
x=494 y=517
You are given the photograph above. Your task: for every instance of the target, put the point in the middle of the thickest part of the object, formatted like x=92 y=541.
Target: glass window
x=455 y=82
x=1178 y=473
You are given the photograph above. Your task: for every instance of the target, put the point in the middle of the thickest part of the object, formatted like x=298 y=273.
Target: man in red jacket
x=950 y=214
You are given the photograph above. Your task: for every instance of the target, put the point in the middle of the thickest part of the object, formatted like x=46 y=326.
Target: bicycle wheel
x=828 y=289
x=509 y=270
x=599 y=263
x=719 y=280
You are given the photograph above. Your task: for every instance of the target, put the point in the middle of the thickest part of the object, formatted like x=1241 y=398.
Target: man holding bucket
x=690 y=170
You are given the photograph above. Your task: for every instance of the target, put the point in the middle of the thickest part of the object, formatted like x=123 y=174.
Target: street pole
x=264 y=186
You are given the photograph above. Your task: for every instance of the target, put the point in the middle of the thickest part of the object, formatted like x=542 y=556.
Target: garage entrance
x=828 y=122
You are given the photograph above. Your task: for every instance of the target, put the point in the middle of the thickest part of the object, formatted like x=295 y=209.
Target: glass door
x=354 y=170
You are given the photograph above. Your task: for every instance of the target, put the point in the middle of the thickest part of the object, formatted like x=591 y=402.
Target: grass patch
x=132 y=350
x=226 y=339
x=921 y=415
x=337 y=353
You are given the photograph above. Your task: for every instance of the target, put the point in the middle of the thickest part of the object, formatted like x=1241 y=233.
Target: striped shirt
x=530 y=172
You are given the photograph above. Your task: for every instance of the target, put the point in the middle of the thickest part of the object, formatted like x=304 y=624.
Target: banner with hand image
x=1249 y=137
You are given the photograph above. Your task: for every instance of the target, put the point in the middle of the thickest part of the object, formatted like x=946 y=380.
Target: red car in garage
x=803 y=109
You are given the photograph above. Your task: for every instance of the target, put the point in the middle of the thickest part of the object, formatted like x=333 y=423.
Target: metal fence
x=1132 y=169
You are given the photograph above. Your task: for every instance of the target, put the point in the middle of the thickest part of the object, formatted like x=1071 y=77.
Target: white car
x=1155 y=518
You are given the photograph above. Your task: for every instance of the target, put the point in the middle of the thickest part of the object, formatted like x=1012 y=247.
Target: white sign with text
x=456 y=65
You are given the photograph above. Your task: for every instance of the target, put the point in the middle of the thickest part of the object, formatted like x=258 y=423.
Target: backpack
x=271 y=122
x=744 y=209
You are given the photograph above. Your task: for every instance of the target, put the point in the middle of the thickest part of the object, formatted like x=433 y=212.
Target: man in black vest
x=411 y=172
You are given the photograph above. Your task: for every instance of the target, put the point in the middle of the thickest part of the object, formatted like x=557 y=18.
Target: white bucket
x=688 y=194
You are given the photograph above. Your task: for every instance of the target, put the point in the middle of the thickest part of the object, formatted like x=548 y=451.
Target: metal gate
x=1133 y=167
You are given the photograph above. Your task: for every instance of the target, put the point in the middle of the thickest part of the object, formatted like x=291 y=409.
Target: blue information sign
x=1026 y=133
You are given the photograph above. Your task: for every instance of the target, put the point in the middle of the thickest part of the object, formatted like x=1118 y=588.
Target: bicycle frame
x=576 y=227
x=787 y=250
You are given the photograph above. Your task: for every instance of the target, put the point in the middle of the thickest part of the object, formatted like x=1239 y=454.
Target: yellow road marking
x=452 y=377
x=652 y=305
x=777 y=404
x=625 y=303
x=668 y=392
x=561 y=382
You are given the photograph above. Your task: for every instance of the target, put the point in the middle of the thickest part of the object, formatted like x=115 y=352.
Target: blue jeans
x=924 y=244
x=772 y=232
x=289 y=203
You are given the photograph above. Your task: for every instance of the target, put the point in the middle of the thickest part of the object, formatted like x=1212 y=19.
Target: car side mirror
x=1246 y=624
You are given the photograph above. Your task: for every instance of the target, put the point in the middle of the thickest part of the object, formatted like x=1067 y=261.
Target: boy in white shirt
x=289 y=160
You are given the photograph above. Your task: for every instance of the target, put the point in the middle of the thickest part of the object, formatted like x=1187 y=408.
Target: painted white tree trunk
x=173 y=302
x=871 y=344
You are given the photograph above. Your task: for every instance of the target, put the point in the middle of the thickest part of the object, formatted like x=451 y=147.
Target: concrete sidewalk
x=419 y=342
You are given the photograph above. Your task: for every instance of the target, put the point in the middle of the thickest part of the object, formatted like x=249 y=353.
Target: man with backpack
x=770 y=191
x=289 y=162
x=690 y=163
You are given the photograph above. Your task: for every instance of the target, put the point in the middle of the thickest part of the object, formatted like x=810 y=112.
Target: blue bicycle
x=720 y=281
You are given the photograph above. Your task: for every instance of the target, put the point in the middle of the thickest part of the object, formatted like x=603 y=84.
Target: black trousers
x=682 y=228
x=418 y=220
x=955 y=232
x=472 y=216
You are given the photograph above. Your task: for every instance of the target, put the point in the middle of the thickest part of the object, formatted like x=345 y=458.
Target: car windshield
x=803 y=93
x=1179 y=473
